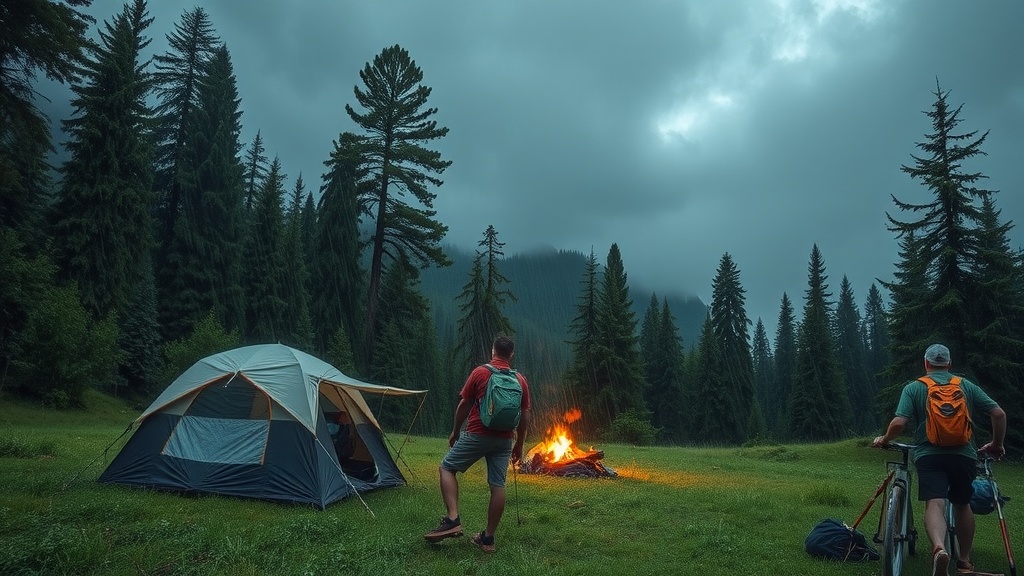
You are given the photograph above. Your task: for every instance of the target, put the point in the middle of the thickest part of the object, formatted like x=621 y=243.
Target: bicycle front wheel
x=895 y=542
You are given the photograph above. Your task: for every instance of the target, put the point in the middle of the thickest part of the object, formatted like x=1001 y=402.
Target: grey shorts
x=471 y=447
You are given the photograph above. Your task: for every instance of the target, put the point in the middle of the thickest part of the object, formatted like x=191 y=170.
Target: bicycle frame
x=896 y=530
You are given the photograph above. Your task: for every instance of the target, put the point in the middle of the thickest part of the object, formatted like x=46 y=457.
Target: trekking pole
x=515 y=482
x=1002 y=521
x=873 y=498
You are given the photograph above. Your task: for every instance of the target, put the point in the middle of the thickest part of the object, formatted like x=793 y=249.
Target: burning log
x=557 y=457
x=588 y=465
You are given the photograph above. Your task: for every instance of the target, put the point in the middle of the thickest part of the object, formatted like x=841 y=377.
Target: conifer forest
x=161 y=237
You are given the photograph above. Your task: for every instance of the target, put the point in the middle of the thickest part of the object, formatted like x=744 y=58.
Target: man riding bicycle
x=945 y=468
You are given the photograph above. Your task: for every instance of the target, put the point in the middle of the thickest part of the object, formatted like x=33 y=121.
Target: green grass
x=706 y=511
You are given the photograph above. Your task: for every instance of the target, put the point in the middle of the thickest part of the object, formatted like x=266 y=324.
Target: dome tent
x=261 y=422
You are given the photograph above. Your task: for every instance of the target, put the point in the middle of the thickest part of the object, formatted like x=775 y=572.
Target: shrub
x=631 y=427
x=208 y=337
x=61 y=352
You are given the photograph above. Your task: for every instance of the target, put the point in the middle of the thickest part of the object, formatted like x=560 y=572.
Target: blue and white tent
x=266 y=422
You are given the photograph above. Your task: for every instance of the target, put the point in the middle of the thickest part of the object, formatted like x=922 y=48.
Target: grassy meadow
x=708 y=511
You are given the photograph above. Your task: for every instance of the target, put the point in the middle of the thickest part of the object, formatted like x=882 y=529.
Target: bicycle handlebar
x=899 y=446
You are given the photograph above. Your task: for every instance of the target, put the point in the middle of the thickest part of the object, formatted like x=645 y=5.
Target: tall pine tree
x=818 y=404
x=265 y=264
x=729 y=322
x=397 y=123
x=482 y=301
x=785 y=365
x=581 y=376
x=337 y=280
x=102 y=227
x=849 y=339
x=619 y=367
x=764 y=379
x=178 y=77
x=203 y=260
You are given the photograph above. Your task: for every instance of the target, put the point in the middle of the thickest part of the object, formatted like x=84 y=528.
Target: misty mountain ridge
x=547 y=285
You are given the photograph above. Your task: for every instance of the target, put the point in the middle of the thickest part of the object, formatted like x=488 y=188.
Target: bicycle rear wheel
x=894 y=541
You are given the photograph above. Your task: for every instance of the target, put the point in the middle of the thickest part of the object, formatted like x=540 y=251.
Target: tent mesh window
x=227 y=423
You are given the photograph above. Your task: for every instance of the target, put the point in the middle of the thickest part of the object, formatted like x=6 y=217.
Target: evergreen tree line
x=163 y=238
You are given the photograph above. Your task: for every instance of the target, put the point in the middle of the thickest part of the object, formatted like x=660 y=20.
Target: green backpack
x=500 y=404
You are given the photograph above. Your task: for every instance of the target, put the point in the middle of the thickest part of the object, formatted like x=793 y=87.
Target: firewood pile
x=587 y=465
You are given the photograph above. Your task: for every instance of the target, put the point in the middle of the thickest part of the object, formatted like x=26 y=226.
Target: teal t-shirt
x=913 y=407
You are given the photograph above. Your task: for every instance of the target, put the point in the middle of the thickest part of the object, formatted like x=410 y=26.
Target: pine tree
x=298 y=328
x=581 y=376
x=178 y=77
x=102 y=226
x=139 y=338
x=764 y=379
x=713 y=422
x=481 y=304
x=785 y=366
x=818 y=404
x=265 y=263
x=397 y=122
x=397 y=357
x=40 y=38
x=307 y=226
x=43 y=38
x=852 y=360
x=907 y=321
x=203 y=258
x=997 y=309
x=663 y=366
x=944 y=243
x=256 y=168
x=337 y=280
x=729 y=322
x=619 y=368
x=877 y=342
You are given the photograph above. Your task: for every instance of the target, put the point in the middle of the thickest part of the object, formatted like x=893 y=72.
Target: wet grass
x=670 y=511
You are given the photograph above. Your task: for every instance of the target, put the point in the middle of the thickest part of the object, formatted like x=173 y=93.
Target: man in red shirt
x=479 y=441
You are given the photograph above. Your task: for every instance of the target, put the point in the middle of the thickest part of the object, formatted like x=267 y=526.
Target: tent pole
x=349 y=482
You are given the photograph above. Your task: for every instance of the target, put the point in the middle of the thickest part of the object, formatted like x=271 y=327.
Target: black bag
x=833 y=540
x=981 y=499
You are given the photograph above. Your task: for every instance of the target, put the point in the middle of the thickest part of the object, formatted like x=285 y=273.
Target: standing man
x=945 y=471
x=479 y=441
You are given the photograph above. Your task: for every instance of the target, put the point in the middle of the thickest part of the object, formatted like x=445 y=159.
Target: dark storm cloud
x=681 y=130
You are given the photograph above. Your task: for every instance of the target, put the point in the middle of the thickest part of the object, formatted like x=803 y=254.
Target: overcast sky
x=680 y=130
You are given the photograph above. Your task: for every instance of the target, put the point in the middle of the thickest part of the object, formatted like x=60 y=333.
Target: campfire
x=557 y=456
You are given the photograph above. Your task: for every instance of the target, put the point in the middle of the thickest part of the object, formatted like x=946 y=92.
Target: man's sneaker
x=486 y=543
x=940 y=562
x=448 y=528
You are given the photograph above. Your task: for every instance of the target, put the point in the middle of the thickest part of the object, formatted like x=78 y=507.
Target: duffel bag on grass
x=833 y=540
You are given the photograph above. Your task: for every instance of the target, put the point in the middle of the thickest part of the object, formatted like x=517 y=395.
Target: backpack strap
x=497 y=370
x=927 y=381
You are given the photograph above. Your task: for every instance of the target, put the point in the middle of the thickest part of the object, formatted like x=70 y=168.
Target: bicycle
x=952 y=545
x=897 y=534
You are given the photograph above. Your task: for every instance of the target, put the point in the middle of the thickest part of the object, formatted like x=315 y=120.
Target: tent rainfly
x=267 y=422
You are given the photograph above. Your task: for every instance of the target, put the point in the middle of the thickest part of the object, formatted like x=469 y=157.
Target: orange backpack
x=949 y=421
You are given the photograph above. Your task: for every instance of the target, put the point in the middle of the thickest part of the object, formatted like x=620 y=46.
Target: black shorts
x=946 y=476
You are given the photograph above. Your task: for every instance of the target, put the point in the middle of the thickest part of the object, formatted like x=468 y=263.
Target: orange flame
x=573 y=415
x=557 y=445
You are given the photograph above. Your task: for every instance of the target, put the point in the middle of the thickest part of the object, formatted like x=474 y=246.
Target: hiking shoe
x=940 y=562
x=964 y=567
x=486 y=543
x=448 y=528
